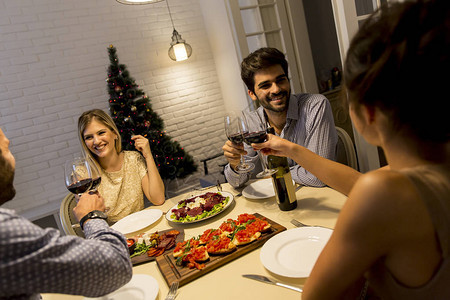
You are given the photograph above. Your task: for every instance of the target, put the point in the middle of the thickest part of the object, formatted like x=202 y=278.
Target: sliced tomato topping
x=244 y=218
x=257 y=225
x=186 y=245
x=218 y=244
x=243 y=235
x=210 y=234
x=229 y=225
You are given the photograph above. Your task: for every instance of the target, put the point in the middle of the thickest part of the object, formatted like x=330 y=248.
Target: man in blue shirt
x=36 y=260
x=305 y=119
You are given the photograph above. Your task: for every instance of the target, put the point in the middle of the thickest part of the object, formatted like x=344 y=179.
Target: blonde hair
x=99 y=115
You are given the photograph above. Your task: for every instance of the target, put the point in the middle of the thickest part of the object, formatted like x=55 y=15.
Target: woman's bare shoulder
x=385 y=185
x=386 y=199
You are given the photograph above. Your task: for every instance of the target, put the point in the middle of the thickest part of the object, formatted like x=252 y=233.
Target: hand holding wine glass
x=87 y=203
x=235 y=128
x=78 y=176
x=259 y=135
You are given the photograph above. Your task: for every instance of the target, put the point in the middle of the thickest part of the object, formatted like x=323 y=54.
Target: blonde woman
x=126 y=175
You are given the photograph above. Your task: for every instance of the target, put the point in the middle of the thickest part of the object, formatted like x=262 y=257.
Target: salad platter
x=199 y=207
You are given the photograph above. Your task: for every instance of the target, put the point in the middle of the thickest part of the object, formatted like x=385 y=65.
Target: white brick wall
x=53 y=61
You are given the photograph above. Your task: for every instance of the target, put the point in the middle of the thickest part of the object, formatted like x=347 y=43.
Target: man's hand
x=233 y=153
x=87 y=203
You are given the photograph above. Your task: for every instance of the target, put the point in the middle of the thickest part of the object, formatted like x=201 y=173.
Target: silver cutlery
x=204 y=188
x=172 y=291
x=298 y=223
x=270 y=281
x=219 y=187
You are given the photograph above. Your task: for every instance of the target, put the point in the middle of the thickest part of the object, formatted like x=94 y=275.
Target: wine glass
x=96 y=176
x=235 y=128
x=259 y=136
x=78 y=176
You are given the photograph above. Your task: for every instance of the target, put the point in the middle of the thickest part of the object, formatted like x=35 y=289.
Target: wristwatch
x=95 y=214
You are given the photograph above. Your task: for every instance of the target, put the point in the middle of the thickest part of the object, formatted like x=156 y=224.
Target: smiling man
x=305 y=119
x=35 y=260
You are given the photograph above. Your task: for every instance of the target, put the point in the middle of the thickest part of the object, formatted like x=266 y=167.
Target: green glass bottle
x=282 y=181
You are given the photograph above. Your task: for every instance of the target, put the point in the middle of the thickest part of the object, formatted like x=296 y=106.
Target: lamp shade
x=133 y=2
x=179 y=50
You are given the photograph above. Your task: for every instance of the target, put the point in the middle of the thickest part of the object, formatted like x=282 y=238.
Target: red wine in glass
x=259 y=136
x=78 y=176
x=95 y=183
x=80 y=187
x=255 y=137
x=236 y=138
x=235 y=128
x=96 y=176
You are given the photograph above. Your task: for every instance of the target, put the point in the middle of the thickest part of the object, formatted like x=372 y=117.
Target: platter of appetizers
x=215 y=247
x=147 y=246
x=199 y=207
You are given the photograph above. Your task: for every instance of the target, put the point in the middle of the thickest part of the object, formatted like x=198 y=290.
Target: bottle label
x=282 y=183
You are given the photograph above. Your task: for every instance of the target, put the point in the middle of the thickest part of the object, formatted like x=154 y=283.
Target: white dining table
x=315 y=206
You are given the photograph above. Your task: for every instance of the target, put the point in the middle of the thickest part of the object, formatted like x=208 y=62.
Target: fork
x=172 y=291
x=219 y=187
x=298 y=223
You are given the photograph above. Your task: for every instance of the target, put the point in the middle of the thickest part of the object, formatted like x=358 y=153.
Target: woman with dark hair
x=126 y=175
x=394 y=229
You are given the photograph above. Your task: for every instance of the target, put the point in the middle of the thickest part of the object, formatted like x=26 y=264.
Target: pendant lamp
x=179 y=50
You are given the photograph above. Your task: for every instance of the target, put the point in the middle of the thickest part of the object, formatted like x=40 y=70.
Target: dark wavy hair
x=399 y=62
x=7 y=190
x=261 y=59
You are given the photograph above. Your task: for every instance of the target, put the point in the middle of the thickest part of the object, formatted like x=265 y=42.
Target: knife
x=270 y=281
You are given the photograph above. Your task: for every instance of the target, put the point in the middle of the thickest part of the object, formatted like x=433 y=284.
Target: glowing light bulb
x=180 y=52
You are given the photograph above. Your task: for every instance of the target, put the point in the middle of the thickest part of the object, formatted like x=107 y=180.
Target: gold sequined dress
x=122 y=190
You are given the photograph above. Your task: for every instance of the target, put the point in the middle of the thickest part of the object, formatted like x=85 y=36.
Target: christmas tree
x=132 y=112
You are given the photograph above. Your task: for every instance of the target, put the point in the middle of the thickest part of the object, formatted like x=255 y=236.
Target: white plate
x=137 y=221
x=225 y=194
x=140 y=287
x=260 y=189
x=294 y=252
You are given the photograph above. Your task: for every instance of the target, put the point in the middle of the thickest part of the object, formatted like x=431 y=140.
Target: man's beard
x=7 y=190
x=266 y=102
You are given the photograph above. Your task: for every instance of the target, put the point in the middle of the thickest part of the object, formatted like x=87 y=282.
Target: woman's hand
x=141 y=143
x=274 y=146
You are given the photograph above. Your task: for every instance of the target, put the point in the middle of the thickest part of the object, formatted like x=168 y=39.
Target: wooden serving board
x=143 y=258
x=182 y=274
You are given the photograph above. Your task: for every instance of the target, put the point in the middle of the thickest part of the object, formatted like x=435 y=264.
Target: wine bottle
x=282 y=181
